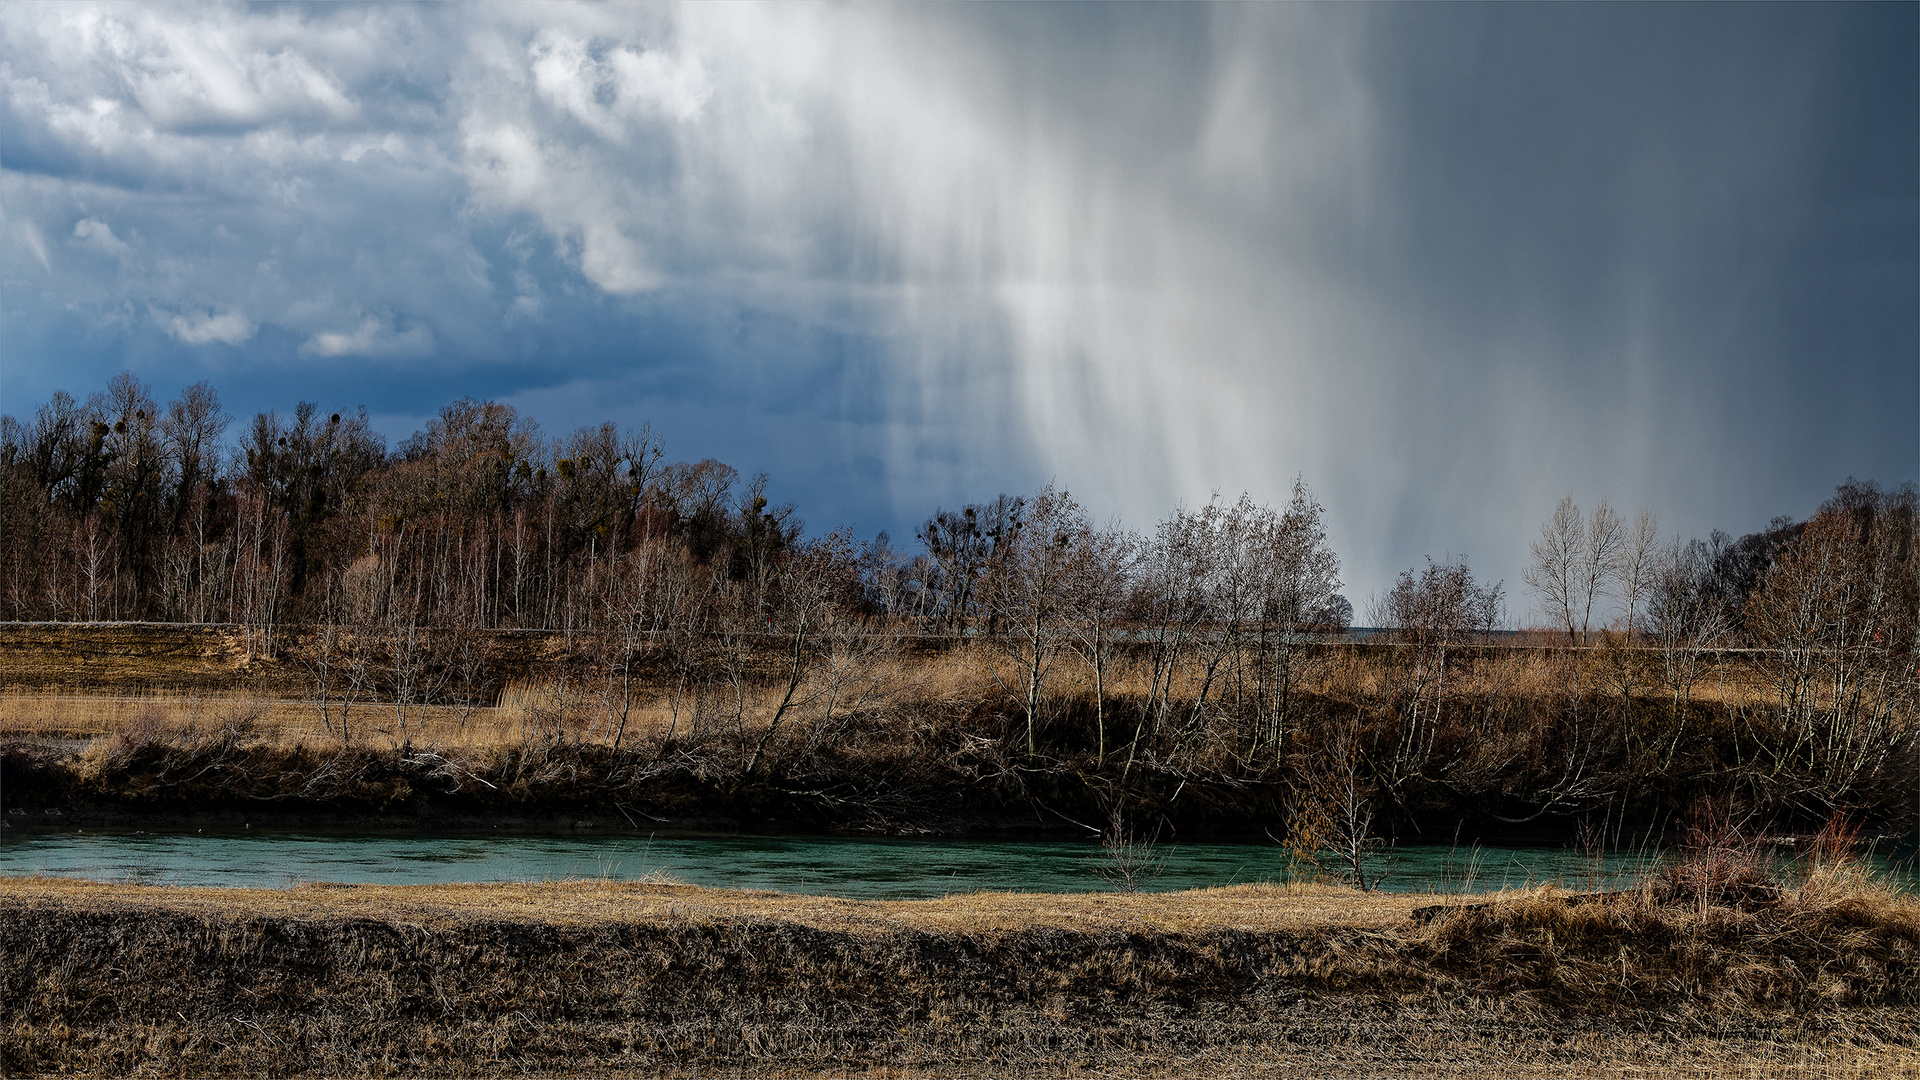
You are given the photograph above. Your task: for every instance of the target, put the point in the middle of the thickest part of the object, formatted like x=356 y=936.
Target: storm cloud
x=1446 y=263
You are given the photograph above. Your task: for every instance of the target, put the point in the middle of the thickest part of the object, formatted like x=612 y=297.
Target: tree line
x=119 y=508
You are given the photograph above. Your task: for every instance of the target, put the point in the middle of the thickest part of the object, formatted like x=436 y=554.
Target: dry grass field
x=81 y=682
x=1246 y=908
x=77 y=715
x=596 y=978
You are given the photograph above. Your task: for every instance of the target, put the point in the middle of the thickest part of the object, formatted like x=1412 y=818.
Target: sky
x=1445 y=263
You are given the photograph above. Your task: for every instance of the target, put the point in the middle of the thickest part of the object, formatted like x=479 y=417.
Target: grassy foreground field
x=596 y=978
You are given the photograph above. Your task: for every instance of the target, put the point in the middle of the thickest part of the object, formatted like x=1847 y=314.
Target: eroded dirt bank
x=600 y=978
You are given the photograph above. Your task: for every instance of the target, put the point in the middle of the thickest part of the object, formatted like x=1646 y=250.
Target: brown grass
x=78 y=681
x=914 y=739
x=1246 y=908
x=57 y=713
x=68 y=715
x=623 y=979
x=71 y=715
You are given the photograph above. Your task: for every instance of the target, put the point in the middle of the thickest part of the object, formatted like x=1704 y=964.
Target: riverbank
x=1820 y=979
x=180 y=762
x=178 y=728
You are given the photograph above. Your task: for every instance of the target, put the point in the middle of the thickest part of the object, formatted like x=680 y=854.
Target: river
x=849 y=867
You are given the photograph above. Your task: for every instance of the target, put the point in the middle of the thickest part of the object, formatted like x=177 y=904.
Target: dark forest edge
x=1028 y=665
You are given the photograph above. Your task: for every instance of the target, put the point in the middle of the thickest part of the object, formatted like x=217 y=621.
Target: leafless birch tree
x=1574 y=562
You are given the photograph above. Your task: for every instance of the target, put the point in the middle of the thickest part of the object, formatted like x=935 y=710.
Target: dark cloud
x=1687 y=234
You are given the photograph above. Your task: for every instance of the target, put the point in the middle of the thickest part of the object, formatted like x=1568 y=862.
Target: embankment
x=225 y=779
x=637 y=979
x=162 y=727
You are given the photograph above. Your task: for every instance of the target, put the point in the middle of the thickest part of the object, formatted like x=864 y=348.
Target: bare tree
x=325 y=661
x=1435 y=613
x=1243 y=541
x=97 y=561
x=1554 y=573
x=642 y=607
x=1036 y=572
x=854 y=668
x=1841 y=606
x=1303 y=584
x=1100 y=575
x=1600 y=566
x=413 y=658
x=1129 y=858
x=1684 y=613
x=363 y=588
x=1330 y=819
x=136 y=481
x=1574 y=563
x=258 y=567
x=1175 y=602
x=816 y=584
x=1636 y=569
x=191 y=430
x=967 y=547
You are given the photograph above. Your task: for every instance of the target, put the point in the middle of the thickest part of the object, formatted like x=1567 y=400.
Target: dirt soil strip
x=602 y=978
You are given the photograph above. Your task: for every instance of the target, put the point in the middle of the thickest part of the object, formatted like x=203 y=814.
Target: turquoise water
x=866 y=868
x=860 y=868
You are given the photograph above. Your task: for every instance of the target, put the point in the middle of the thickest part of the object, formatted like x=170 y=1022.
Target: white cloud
x=184 y=68
x=98 y=235
x=163 y=90
x=372 y=338
x=206 y=327
x=608 y=92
